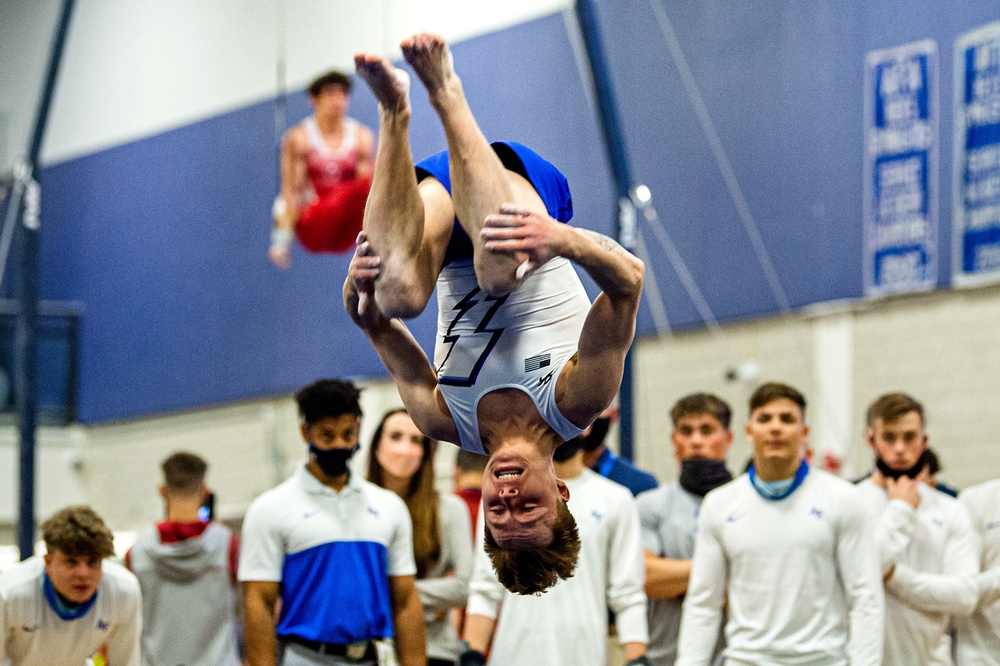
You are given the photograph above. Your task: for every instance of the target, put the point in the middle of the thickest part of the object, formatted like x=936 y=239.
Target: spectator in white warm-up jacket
x=669 y=515
x=979 y=634
x=925 y=540
x=789 y=551
x=70 y=604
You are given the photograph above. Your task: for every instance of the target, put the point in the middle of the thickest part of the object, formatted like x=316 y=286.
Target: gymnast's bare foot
x=431 y=59
x=390 y=85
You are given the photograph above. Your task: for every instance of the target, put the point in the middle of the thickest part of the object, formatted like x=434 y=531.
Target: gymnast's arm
x=610 y=325
x=607 y=333
x=293 y=176
x=403 y=358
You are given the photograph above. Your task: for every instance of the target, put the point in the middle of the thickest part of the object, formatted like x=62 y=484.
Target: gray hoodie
x=188 y=601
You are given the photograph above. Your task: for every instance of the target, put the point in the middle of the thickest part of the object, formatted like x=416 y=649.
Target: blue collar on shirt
x=61 y=608
x=778 y=490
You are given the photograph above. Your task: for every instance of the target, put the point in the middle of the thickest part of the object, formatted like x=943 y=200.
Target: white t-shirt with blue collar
x=800 y=575
x=35 y=635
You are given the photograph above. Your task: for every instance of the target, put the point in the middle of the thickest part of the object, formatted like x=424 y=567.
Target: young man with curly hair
x=71 y=603
x=535 y=629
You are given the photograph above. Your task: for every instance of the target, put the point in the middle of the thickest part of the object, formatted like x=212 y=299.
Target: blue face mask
x=333 y=462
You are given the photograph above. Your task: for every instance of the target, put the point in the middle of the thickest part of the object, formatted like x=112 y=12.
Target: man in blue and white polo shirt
x=337 y=550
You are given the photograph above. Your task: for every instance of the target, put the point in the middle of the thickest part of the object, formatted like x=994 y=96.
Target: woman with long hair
x=401 y=459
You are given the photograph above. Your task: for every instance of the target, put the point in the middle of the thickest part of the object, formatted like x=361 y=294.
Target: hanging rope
x=652 y=288
x=281 y=84
x=725 y=166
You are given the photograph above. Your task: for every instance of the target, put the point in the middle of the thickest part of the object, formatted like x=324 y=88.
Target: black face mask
x=911 y=472
x=333 y=462
x=567 y=449
x=700 y=476
x=597 y=433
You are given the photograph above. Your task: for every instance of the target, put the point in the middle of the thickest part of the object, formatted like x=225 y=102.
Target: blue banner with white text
x=976 y=177
x=900 y=169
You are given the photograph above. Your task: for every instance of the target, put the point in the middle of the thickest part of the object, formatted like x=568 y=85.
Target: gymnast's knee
x=400 y=297
x=495 y=278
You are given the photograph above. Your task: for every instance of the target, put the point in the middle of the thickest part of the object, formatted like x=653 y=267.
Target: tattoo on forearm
x=607 y=244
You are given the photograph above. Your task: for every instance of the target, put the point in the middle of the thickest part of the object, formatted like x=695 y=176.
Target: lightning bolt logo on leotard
x=461 y=370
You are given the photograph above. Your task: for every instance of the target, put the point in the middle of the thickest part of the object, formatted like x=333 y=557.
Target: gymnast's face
x=331 y=102
x=520 y=495
x=700 y=437
x=778 y=432
x=899 y=443
x=74 y=577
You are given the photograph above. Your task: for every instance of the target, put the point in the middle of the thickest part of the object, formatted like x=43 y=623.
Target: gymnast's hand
x=517 y=229
x=359 y=288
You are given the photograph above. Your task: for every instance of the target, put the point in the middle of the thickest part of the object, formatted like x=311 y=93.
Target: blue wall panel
x=164 y=239
x=782 y=82
x=164 y=242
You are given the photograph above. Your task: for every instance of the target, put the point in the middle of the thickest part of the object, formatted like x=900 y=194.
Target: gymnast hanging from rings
x=326 y=168
x=523 y=360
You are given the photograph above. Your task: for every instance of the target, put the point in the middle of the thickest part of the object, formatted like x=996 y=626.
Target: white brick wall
x=943 y=348
x=668 y=368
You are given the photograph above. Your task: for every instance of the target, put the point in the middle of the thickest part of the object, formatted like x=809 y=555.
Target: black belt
x=353 y=651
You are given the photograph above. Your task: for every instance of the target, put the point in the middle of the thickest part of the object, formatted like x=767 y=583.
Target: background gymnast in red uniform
x=326 y=168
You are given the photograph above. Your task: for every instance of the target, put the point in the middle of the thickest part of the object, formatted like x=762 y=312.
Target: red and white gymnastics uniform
x=333 y=200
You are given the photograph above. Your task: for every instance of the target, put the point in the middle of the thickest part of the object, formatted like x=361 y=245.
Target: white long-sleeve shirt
x=446 y=585
x=979 y=634
x=567 y=625
x=668 y=516
x=933 y=554
x=34 y=635
x=802 y=577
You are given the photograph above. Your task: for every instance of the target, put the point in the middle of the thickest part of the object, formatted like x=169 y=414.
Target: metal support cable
x=10 y=220
x=680 y=267
x=721 y=158
x=652 y=288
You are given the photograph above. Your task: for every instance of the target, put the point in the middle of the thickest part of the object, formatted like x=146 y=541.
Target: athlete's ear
x=675 y=440
x=563 y=489
x=162 y=491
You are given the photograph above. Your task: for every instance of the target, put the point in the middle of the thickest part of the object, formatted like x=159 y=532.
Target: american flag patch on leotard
x=536 y=362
